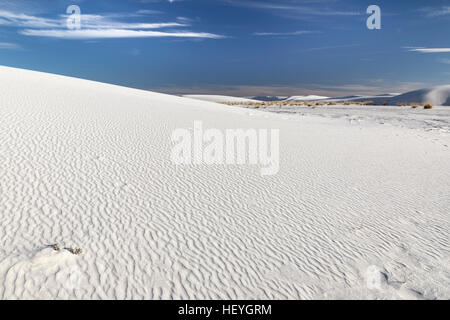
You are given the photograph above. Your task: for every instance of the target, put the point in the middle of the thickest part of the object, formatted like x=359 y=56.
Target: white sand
x=306 y=98
x=217 y=98
x=358 y=210
x=437 y=96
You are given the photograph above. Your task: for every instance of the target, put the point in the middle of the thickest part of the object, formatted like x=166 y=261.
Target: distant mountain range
x=438 y=96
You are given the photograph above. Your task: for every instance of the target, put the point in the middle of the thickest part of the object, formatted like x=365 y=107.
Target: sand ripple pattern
x=87 y=164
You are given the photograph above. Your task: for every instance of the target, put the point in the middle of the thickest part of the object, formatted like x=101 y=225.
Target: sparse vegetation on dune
x=357 y=103
x=266 y=104
x=75 y=251
x=315 y=104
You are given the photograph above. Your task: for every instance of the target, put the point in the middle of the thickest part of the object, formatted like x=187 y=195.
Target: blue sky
x=236 y=47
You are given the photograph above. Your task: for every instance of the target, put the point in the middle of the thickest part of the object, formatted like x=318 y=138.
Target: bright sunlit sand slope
x=356 y=211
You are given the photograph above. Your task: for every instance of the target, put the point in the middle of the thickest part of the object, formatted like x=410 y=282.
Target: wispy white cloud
x=9 y=46
x=98 y=26
x=146 y=11
x=93 y=21
x=114 y=33
x=185 y=19
x=23 y=20
x=294 y=33
x=430 y=50
x=432 y=12
x=331 y=47
x=306 y=7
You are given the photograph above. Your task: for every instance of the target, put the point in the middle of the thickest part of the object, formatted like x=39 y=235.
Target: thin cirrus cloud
x=430 y=50
x=106 y=26
x=114 y=33
x=431 y=12
x=91 y=21
x=294 y=33
x=9 y=46
x=305 y=8
x=8 y=18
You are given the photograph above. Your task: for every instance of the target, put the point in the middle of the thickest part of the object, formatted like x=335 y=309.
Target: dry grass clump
x=294 y=103
x=358 y=103
x=75 y=251
x=315 y=104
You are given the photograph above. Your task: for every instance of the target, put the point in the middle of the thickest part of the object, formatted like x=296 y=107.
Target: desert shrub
x=75 y=251
x=428 y=106
x=414 y=106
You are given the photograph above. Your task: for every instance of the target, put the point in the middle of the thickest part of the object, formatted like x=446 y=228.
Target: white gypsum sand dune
x=306 y=98
x=435 y=119
x=356 y=211
x=439 y=96
x=381 y=98
x=217 y=98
